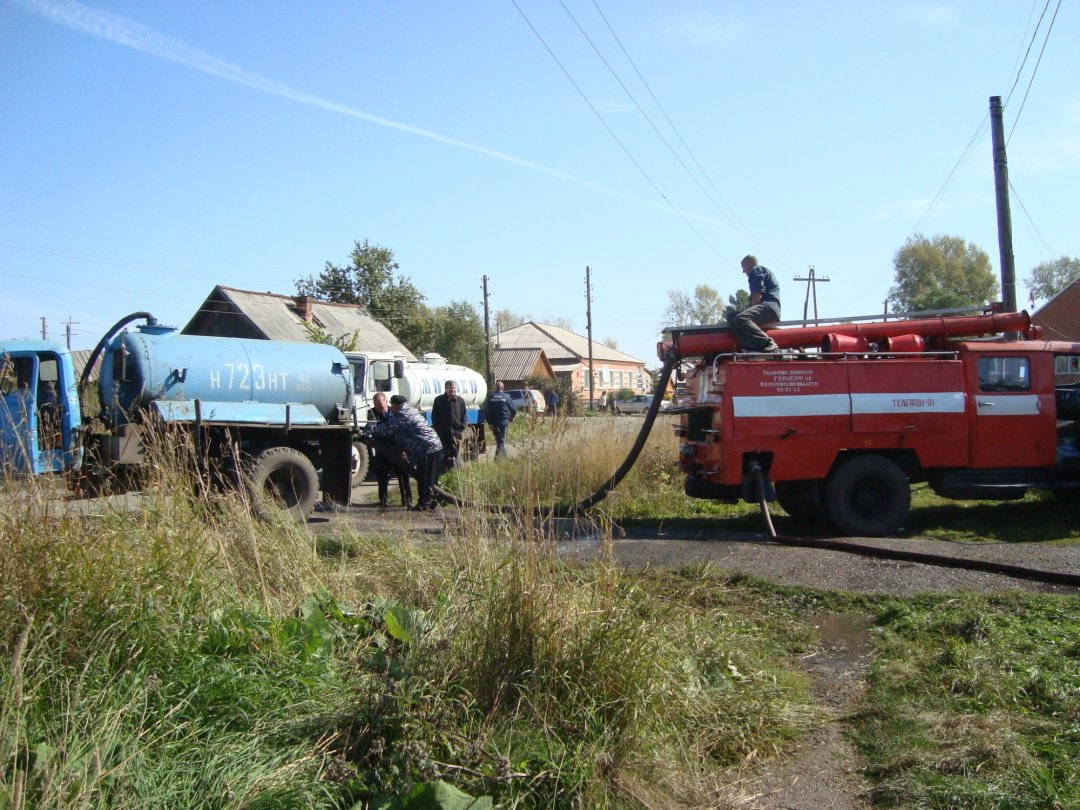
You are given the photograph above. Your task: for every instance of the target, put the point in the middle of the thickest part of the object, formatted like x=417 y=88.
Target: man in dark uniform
x=499 y=413
x=449 y=419
x=764 y=308
x=385 y=469
x=422 y=446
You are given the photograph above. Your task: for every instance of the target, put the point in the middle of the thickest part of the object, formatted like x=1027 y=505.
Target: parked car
x=637 y=404
x=531 y=401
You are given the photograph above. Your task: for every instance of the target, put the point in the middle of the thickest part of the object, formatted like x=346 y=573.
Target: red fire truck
x=848 y=416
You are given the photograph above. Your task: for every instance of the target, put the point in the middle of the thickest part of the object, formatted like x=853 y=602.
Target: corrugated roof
x=79 y=358
x=276 y=317
x=561 y=344
x=514 y=364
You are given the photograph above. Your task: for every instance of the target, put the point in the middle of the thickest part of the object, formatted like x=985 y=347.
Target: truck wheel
x=285 y=477
x=800 y=499
x=867 y=496
x=360 y=462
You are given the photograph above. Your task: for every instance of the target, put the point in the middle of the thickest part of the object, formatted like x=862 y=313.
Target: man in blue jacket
x=499 y=413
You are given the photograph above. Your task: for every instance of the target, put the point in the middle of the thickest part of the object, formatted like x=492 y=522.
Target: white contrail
x=133 y=34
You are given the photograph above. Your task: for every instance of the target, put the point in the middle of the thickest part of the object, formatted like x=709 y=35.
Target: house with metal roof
x=569 y=353
x=515 y=365
x=228 y=312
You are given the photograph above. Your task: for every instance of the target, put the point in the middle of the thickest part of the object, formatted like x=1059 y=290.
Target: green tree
x=737 y=303
x=705 y=306
x=1050 y=278
x=941 y=273
x=369 y=279
x=347 y=343
x=456 y=331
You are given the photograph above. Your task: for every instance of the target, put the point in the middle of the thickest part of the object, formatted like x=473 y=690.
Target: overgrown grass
x=184 y=655
x=562 y=461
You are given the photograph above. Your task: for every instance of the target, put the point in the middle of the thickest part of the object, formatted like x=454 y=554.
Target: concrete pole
x=588 y=324
x=1004 y=215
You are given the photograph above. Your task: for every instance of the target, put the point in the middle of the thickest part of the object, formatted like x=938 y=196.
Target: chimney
x=303 y=307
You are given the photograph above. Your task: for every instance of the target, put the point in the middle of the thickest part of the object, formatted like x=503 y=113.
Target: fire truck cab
x=842 y=422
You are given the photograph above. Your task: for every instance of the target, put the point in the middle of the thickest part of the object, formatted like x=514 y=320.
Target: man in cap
x=385 y=468
x=421 y=444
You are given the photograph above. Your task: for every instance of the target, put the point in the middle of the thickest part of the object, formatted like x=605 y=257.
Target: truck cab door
x=1012 y=424
x=18 y=414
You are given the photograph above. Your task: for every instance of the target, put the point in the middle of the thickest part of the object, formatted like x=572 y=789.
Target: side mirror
x=399 y=369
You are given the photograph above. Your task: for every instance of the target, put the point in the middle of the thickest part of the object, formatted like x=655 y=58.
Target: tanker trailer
x=425 y=380
x=264 y=414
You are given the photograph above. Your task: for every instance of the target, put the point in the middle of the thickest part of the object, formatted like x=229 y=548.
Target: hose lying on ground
x=1004 y=569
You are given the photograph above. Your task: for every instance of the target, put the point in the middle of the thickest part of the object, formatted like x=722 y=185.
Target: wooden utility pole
x=487 y=339
x=812 y=281
x=588 y=325
x=1004 y=215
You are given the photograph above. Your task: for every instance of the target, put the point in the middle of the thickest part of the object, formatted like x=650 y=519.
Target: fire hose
x=942 y=560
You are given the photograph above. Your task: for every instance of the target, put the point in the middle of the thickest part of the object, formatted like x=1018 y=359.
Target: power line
x=1034 y=71
x=1035 y=33
x=1039 y=238
x=644 y=114
x=734 y=218
x=611 y=132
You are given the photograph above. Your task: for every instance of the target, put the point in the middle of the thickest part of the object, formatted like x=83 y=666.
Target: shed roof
x=279 y=317
x=520 y=363
x=561 y=344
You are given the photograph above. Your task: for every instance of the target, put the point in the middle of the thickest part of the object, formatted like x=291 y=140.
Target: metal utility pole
x=812 y=281
x=588 y=325
x=1004 y=215
x=487 y=339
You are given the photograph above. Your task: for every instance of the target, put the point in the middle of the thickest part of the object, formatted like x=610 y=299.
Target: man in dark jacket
x=449 y=419
x=499 y=413
x=764 y=308
x=421 y=444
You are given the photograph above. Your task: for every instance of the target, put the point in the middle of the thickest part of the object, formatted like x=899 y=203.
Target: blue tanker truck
x=273 y=417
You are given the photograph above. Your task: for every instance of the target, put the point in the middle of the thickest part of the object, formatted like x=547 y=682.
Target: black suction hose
x=616 y=477
x=134 y=316
x=941 y=560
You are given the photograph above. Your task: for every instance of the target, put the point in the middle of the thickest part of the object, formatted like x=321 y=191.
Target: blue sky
x=150 y=150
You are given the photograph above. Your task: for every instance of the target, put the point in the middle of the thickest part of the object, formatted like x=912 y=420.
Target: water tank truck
x=266 y=415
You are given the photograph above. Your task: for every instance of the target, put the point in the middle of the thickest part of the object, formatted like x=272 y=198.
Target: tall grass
x=562 y=461
x=182 y=654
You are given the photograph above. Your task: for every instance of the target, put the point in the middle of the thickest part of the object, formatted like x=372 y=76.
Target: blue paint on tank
x=158 y=366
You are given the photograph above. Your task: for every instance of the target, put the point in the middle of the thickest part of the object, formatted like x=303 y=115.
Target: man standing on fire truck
x=764 y=308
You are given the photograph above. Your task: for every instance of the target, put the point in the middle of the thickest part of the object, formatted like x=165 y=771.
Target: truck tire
x=360 y=464
x=800 y=499
x=285 y=477
x=867 y=496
